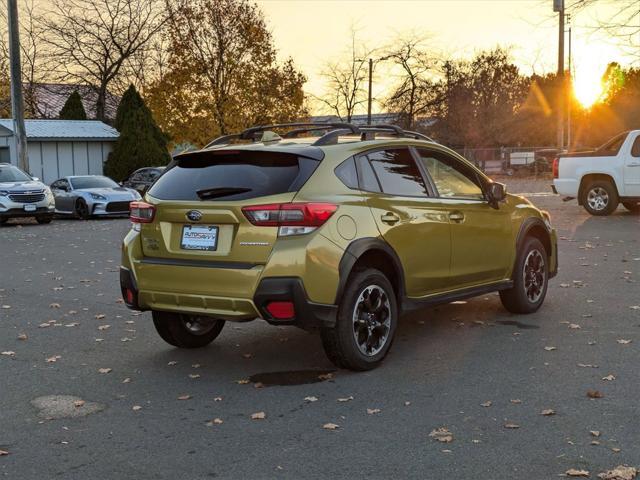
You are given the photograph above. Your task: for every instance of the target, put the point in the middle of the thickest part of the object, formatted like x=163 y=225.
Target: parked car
x=87 y=195
x=143 y=178
x=602 y=178
x=338 y=233
x=22 y=195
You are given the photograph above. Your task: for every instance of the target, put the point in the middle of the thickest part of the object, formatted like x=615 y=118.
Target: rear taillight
x=291 y=218
x=141 y=212
x=556 y=167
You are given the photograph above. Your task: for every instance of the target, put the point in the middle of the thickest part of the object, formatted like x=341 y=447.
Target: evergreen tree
x=73 y=108
x=141 y=142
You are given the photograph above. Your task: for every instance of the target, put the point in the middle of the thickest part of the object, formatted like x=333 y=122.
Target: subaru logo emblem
x=194 y=215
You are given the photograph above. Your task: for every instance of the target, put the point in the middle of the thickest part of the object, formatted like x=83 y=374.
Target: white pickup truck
x=604 y=177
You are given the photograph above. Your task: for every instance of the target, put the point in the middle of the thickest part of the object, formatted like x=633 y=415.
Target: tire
x=186 y=331
x=600 y=198
x=44 y=220
x=362 y=345
x=527 y=294
x=633 y=207
x=82 y=209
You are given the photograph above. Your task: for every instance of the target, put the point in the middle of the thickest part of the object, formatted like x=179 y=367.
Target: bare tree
x=346 y=81
x=92 y=41
x=414 y=94
x=623 y=23
x=34 y=70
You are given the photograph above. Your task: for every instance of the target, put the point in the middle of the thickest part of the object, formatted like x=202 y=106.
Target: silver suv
x=24 y=196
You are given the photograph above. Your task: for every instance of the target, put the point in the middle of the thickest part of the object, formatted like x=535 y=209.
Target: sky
x=314 y=32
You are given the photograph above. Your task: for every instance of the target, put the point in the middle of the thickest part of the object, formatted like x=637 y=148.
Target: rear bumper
x=308 y=315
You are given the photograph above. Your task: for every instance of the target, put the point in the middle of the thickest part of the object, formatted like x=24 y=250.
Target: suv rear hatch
x=200 y=242
x=208 y=190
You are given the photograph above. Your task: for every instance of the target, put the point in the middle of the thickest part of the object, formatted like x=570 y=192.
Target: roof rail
x=336 y=130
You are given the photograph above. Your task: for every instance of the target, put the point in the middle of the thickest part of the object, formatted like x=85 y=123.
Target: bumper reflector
x=281 y=310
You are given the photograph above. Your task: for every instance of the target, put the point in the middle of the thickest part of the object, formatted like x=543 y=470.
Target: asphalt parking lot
x=145 y=410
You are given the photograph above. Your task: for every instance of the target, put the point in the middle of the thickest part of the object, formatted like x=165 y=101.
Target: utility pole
x=17 y=104
x=370 y=92
x=569 y=97
x=558 y=6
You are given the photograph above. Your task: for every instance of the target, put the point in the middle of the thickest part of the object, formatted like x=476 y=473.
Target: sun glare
x=587 y=81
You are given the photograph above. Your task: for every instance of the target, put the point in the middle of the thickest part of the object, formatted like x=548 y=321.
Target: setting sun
x=590 y=65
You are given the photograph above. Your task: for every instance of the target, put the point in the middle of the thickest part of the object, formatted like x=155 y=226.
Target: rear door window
x=233 y=175
x=397 y=172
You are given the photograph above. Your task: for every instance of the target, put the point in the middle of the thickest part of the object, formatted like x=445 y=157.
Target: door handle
x=634 y=164
x=457 y=217
x=390 y=218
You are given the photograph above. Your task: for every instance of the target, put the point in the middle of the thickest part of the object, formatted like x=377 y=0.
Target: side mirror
x=496 y=192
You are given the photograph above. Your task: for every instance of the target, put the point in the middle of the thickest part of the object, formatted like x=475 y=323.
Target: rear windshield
x=233 y=176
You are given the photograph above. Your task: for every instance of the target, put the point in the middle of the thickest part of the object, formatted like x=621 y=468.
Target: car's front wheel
x=366 y=322
x=82 y=209
x=600 y=198
x=530 y=279
x=186 y=331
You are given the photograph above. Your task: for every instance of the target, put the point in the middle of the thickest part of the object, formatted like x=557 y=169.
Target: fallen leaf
x=587 y=365
x=103 y=327
x=615 y=450
x=135 y=408
x=6 y=307
x=22 y=336
x=184 y=397
x=215 y=421
x=247 y=355
x=406 y=404
x=486 y=404
x=126 y=380
x=594 y=433
x=100 y=316
x=346 y=399
x=78 y=403
x=258 y=416
x=574 y=326
x=331 y=426
x=572 y=472
x=325 y=376
x=549 y=349
x=442 y=434
x=511 y=425
x=622 y=341
x=621 y=472
x=194 y=375
x=258 y=385
x=104 y=370
x=594 y=394
x=244 y=381
x=310 y=399
x=609 y=378
x=53 y=359
x=217 y=399
x=8 y=353
x=373 y=411
x=54 y=305
x=548 y=412
x=3 y=453
x=516 y=401
x=172 y=363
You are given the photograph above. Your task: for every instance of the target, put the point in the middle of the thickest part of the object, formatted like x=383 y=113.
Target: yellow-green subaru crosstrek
x=332 y=227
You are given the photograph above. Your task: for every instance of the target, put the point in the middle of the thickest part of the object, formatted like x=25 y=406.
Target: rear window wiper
x=220 y=192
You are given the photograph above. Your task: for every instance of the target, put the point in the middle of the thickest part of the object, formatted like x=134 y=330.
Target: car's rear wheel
x=82 y=209
x=600 y=198
x=44 y=219
x=186 y=331
x=530 y=279
x=633 y=207
x=366 y=322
